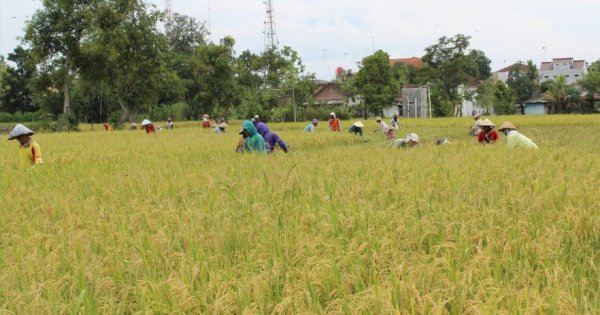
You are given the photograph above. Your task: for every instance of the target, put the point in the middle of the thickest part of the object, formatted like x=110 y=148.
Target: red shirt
x=334 y=124
x=490 y=137
x=150 y=128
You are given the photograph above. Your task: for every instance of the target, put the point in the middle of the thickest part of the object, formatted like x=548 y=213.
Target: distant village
x=413 y=101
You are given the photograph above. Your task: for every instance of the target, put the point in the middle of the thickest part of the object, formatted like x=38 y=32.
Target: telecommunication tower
x=168 y=14
x=270 y=33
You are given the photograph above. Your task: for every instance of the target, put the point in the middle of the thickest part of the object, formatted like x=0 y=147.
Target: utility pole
x=168 y=14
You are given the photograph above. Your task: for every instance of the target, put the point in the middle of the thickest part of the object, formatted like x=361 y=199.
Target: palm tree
x=557 y=94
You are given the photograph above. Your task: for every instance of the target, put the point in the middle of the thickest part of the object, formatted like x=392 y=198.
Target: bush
x=6 y=117
x=68 y=122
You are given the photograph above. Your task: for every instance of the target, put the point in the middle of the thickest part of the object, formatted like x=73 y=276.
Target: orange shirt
x=334 y=124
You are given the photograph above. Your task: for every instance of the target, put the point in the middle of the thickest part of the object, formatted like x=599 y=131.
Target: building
x=503 y=73
x=414 y=62
x=572 y=70
x=536 y=106
x=412 y=102
x=329 y=93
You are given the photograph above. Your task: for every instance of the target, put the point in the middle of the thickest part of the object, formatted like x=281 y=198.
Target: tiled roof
x=521 y=67
x=546 y=66
x=412 y=61
x=578 y=64
x=570 y=59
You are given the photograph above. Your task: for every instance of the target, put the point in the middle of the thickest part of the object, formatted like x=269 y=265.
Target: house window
x=567 y=75
x=576 y=75
x=546 y=77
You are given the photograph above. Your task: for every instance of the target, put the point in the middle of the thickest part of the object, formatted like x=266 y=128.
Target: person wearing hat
x=514 y=139
x=475 y=129
x=206 y=121
x=394 y=123
x=312 y=127
x=170 y=124
x=148 y=126
x=411 y=140
x=272 y=139
x=253 y=141
x=29 y=150
x=357 y=128
x=382 y=127
x=220 y=128
x=334 y=122
x=487 y=135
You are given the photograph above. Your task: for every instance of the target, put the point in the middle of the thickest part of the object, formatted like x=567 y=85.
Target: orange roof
x=521 y=67
x=412 y=61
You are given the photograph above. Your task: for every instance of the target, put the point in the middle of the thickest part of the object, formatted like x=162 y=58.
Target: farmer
x=148 y=126
x=133 y=126
x=106 y=126
x=220 y=128
x=382 y=127
x=411 y=140
x=272 y=139
x=487 y=135
x=29 y=150
x=170 y=124
x=253 y=141
x=514 y=139
x=312 y=127
x=334 y=122
x=206 y=121
x=357 y=128
x=475 y=129
x=255 y=120
x=395 y=123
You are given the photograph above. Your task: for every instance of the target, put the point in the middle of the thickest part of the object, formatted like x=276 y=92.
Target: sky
x=332 y=33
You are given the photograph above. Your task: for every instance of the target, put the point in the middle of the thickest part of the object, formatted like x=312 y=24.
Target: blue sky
x=332 y=33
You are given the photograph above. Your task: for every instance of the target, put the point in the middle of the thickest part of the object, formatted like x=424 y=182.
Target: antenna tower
x=270 y=33
x=168 y=14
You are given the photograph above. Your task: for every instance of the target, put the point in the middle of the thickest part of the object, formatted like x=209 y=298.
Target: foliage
x=521 y=84
x=497 y=97
x=15 y=88
x=375 y=82
x=557 y=94
x=591 y=85
x=479 y=65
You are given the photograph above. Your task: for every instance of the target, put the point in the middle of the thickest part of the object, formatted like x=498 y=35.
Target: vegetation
x=122 y=222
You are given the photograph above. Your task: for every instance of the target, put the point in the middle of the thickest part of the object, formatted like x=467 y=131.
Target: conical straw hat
x=507 y=125
x=146 y=122
x=486 y=123
x=358 y=124
x=19 y=130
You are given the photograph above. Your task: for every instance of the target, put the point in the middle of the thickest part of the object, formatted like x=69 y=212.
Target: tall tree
x=56 y=32
x=375 y=82
x=447 y=68
x=521 y=84
x=17 y=94
x=214 y=72
x=557 y=94
x=591 y=85
x=479 y=65
x=126 y=52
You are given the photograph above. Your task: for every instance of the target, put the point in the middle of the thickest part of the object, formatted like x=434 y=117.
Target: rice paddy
x=177 y=222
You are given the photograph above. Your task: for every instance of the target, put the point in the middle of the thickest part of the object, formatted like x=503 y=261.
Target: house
x=571 y=69
x=536 y=106
x=412 y=102
x=415 y=62
x=502 y=74
x=329 y=93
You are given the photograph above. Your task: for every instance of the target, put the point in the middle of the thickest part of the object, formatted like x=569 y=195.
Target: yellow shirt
x=31 y=155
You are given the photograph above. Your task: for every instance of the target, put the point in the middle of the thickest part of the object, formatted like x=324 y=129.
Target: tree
x=56 y=33
x=214 y=73
x=17 y=94
x=126 y=52
x=496 y=96
x=447 y=67
x=595 y=66
x=479 y=65
x=590 y=83
x=521 y=84
x=185 y=34
x=375 y=83
x=557 y=94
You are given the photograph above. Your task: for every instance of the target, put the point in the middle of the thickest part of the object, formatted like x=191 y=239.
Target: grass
x=122 y=222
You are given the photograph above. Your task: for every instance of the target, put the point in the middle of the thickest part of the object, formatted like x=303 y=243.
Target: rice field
x=123 y=222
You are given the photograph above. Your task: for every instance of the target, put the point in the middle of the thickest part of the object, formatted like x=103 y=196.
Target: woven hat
x=412 y=137
x=477 y=116
x=223 y=125
x=146 y=122
x=241 y=131
x=256 y=116
x=507 y=125
x=358 y=124
x=378 y=118
x=18 y=131
x=205 y=116
x=486 y=123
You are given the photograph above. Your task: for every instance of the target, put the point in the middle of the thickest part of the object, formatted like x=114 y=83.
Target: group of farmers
x=258 y=138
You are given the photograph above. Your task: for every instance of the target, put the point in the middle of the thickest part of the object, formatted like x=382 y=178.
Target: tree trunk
x=66 y=89
x=125 y=111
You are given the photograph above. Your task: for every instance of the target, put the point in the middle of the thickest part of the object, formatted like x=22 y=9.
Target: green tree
x=504 y=99
x=375 y=83
x=479 y=65
x=17 y=93
x=590 y=83
x=56 y=32
x=214 y=70
x=447 y=67
x=557 y=94
x=521 y=84
x=127 y=53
